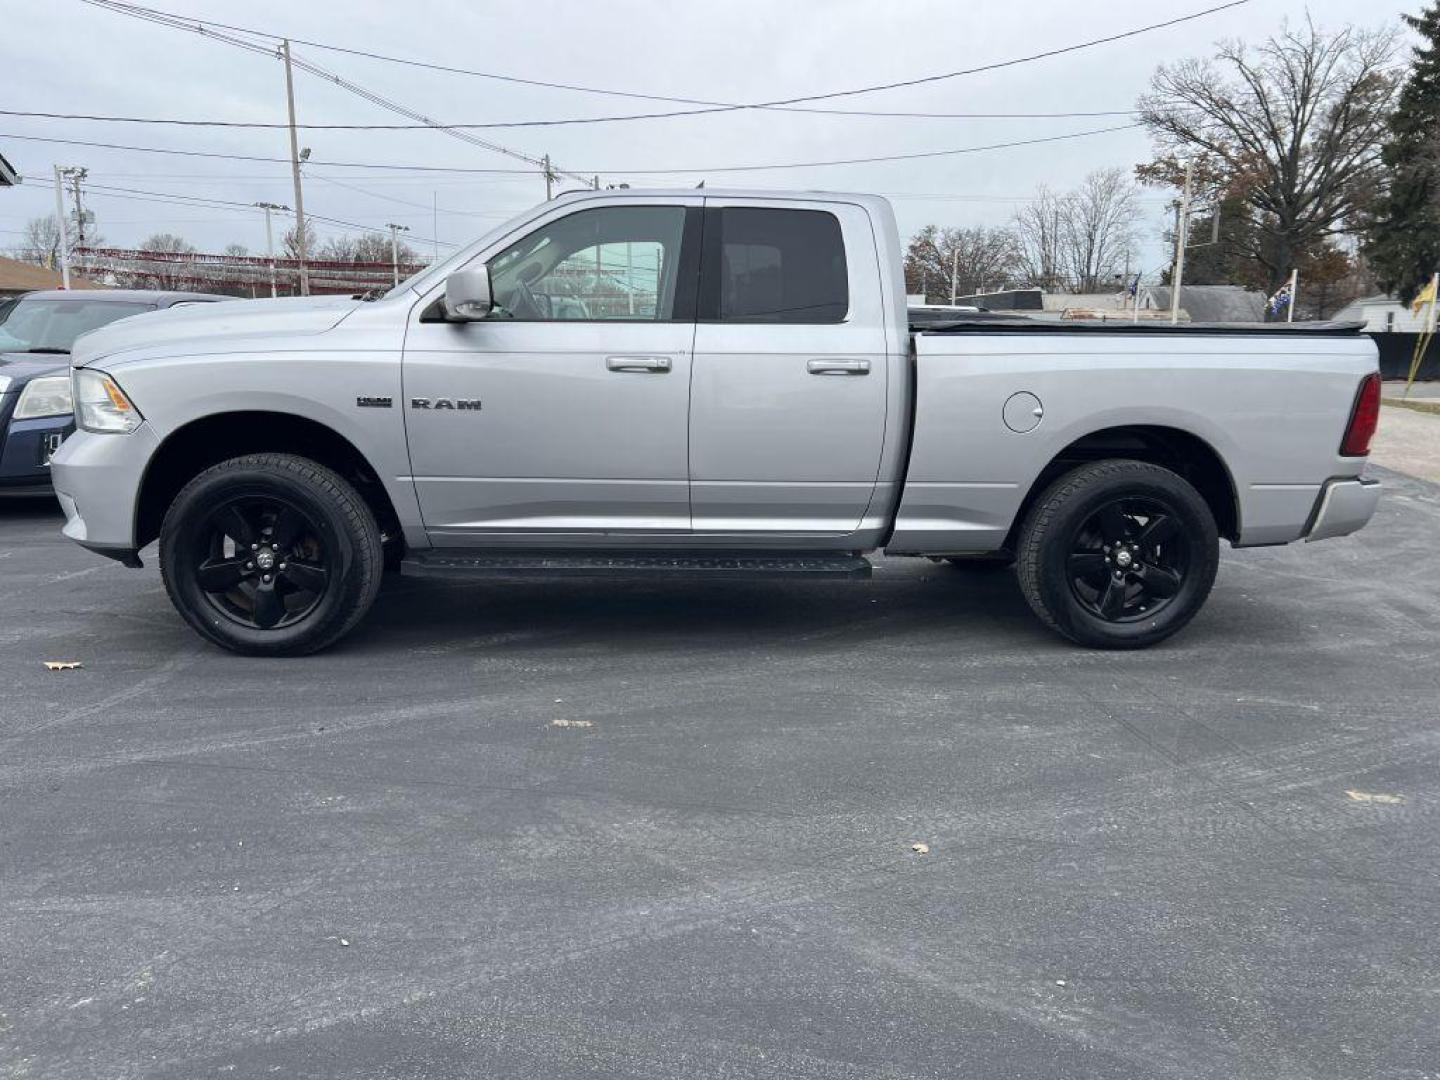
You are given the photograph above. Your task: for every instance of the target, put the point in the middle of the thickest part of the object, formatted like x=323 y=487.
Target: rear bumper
x=97 y=479
x=1344 y=506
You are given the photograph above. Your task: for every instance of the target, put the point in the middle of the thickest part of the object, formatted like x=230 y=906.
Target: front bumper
x=1344 y=506
x=26 y=450
x=97 y=479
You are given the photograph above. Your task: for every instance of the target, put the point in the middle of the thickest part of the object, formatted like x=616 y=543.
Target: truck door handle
x=656 y=365
x=838 y=367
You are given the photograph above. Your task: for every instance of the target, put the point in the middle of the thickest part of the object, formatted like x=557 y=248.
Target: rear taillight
x=1363 y=418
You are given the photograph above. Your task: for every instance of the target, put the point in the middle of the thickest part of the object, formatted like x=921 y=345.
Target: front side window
x=610 y=263
x=775 y=266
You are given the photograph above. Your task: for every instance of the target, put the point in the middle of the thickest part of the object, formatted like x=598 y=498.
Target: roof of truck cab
x=723 y=193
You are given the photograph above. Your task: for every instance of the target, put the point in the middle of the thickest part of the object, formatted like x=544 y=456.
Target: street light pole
x=270 y=239
x=395 y=231
x=295 y=171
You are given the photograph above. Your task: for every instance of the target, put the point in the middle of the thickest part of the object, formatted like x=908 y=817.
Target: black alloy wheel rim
x=262 y=562
x=1128 y=560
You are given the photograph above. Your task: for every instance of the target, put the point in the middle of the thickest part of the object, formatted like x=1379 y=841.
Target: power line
x=205 y=202
x=706 y=106
x=633 y=171
x=175 y=22
x=255 y=157
x=405 y=202
x=265 y=125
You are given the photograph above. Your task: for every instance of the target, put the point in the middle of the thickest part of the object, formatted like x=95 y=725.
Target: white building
x=1383 y=315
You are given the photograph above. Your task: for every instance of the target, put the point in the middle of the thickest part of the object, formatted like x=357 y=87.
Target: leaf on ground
x=571 y=723
x=62 y=665
x=1367 y=797
x=920 y=849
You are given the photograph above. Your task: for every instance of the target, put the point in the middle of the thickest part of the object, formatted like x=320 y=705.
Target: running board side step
x=467 y=563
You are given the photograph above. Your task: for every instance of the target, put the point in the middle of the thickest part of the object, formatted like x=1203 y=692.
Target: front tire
x=1118 y=554
x=270 y=555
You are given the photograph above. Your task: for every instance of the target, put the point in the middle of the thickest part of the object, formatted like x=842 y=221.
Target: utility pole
x=77 y=175
x=954 y=274
x=395 y=231
x=295 y=172
x=270 y=239
x=549 y=178
x=1182 y=229
x=64 y=234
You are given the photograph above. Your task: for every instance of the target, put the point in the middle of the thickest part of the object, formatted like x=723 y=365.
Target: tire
x=270 y=555
x=1118 y=554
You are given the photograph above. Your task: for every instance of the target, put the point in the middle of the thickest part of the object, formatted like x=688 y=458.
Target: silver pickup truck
x=702 y=383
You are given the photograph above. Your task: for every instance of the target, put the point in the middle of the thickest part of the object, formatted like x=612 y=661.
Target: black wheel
x=1118 y=554
x=270 y=554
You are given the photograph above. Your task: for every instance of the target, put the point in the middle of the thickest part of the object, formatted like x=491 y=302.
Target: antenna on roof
x=700 y=184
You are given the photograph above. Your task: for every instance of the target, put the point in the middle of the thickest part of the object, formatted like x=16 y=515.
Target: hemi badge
x=374 y=402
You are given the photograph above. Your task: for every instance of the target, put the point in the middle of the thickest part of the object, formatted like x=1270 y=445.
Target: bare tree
x=170 y=274
x=1038 y=227
x=290 y=242
x=40 y=242
x=1293 y=127
x=979 y=257
x=1097 y=232
x=371 y=247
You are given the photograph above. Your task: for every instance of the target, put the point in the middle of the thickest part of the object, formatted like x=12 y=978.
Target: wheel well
x=213 y=439
x=1179 y=451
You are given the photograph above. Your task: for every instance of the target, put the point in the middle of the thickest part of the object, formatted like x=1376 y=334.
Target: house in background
x=1383 y=314
x=1208 y=303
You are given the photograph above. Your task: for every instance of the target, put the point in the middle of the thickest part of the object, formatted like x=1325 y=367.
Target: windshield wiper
x=45 y=349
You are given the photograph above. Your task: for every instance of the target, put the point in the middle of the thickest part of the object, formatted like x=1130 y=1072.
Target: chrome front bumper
x=1344 y=507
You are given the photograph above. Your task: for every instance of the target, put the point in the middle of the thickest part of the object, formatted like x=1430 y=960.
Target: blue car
x=37 y=330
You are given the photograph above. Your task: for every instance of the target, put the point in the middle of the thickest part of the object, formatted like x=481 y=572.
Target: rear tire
x=1118 y=554
x=270 y=555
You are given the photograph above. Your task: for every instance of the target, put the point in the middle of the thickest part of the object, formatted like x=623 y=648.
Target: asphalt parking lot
x=665 y=830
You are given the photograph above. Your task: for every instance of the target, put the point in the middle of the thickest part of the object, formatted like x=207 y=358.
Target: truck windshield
x=53 y=324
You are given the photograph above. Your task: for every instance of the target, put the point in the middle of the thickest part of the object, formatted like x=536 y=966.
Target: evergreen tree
x=1403 y=246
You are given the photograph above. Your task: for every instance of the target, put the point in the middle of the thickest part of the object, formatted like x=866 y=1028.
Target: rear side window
x=774 y=266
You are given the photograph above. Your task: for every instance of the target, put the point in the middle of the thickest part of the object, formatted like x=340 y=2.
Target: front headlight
x=49 y=396
x=101 y=406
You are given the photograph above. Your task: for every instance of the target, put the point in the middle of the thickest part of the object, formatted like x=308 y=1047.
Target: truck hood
x=208 y=326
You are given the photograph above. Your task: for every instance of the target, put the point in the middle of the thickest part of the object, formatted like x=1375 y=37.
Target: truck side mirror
x=467 y=295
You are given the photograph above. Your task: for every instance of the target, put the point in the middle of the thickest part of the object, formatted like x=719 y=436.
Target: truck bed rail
x=998 y=323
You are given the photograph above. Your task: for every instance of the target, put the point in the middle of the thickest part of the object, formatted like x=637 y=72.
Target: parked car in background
x=37 y=331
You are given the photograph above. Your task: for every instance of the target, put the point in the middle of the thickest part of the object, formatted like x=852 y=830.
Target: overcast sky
x=69 y=57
